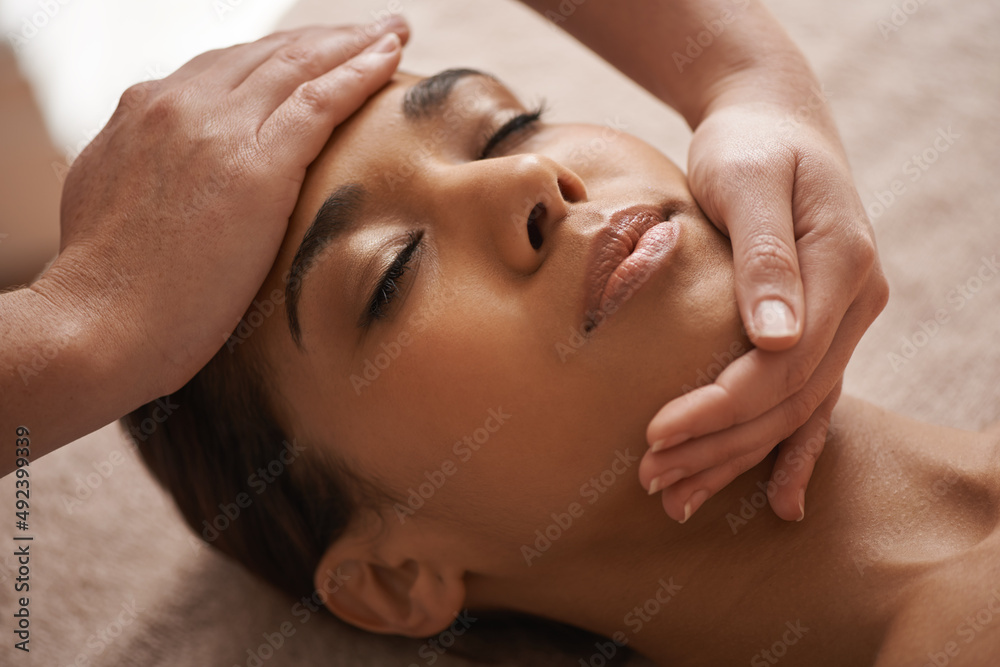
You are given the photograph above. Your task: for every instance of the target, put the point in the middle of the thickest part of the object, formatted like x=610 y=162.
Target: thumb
x=768 y=284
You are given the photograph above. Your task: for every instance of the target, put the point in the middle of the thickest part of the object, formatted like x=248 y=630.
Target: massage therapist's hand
x=171 y=220
x=808 y=283
x=174 y=214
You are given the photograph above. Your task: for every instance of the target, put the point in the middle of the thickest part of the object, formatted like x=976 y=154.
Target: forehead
x=380 y=138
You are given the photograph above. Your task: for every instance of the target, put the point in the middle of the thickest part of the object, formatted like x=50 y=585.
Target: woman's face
x=487 y=381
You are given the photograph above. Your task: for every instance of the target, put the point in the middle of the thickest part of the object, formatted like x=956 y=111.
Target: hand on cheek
x=808 y=284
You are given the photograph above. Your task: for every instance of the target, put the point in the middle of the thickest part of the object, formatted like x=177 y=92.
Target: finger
x=769 y=289
x=680 y=501
x=856 y=292
x=748 y=389
x=758 y=380
x=796 y=461
x=731 y=453
x=681 y=471
x=732 y=441
x=225 y=67
x=232 y=65
x=305 y=59
x=658 y=470
x=298 y=129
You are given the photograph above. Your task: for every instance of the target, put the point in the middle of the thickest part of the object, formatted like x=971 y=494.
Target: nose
x=532 y=194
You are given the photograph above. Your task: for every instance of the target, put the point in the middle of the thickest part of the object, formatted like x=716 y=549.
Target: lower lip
x=651 y=252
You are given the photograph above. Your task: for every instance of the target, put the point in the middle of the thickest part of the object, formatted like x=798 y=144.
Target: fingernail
x=386 y=44
x=773 y=319
x=802 y=505
x=665 y=480
x=672 y=441
x=694 y=502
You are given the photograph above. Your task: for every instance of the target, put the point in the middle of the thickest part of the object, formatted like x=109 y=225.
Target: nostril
x=571 y=188
x=534 y=232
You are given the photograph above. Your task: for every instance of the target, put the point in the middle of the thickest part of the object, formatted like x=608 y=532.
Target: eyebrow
x=339 y=213
x=428 y=96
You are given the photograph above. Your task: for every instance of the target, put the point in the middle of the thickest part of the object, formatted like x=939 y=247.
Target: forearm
x=695 y=55
x=58 y=373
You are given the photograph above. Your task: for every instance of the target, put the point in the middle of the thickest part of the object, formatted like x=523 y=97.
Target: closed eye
x=390 y=283
x=519 y=123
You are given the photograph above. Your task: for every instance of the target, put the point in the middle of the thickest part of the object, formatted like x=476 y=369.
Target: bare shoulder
x=953 y=616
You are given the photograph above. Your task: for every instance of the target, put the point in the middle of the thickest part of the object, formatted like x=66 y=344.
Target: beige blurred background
x=29 y=185
x=898 y=81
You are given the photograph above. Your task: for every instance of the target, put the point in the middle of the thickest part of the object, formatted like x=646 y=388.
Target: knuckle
x=854 y=235
x=799 y=408
x=138 y=95
x=748 y=162
x=797 y=374
x=213 y=54
x=165 y=108
x=864 y=251
x=351 y=72
x=727 y=405
x=769 y=257
x=879 y=289
x=881 y=293
x=739 y=465
x=296 y=55
x=310 y=95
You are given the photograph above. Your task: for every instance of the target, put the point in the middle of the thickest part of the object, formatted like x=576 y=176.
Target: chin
x=674 y=335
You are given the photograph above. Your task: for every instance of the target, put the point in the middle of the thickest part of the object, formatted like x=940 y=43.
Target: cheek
x=676 y=332
x=497 y=413
x=611 y=163
x=480 y=400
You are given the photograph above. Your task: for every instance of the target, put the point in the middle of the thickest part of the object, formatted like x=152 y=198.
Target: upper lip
x=611 y=245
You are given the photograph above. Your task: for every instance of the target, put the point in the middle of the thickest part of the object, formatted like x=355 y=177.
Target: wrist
x=782 y=84
x=89 y=317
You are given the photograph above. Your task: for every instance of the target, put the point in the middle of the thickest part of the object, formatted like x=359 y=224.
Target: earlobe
x=408 y=597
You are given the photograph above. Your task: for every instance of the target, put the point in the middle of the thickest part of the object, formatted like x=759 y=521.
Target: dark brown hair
x=212 y=453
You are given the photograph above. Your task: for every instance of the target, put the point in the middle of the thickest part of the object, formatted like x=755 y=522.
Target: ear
x=372 y=587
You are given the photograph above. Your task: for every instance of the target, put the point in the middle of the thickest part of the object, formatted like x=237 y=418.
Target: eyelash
x=519 y=123
x=389 y=285
x=386 y=291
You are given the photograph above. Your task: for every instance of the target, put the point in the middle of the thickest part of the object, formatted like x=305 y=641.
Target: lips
x=623 y=256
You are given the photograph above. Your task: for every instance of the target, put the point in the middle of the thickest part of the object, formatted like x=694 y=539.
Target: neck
x=735 y=583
